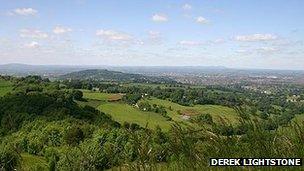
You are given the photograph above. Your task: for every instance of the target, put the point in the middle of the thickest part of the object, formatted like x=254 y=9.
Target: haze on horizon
x=235 y=33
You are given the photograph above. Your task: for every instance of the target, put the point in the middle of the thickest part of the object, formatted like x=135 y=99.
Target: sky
x=232 y=33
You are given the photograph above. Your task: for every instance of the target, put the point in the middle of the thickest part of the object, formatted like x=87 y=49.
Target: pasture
x=122 y=112
x=101 y=96
x=125 y=113
x=176 y=111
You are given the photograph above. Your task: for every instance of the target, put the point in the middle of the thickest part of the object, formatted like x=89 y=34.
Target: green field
x=122 y=112
x=101 y=96
x=5 y=87
x=216 y=111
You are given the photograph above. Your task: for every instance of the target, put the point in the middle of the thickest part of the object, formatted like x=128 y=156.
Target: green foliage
x=51 y=131
x=203 y=119
x=145 y=106
x=73 y=136
x=9 y=158
x=114 y=76
x=77 y=95
x=5 y=87
x=21 y=107
x=132 y=99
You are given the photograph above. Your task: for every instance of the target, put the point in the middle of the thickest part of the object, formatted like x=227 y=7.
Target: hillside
x=47 y=125
x=114 y=76
x=5 y=87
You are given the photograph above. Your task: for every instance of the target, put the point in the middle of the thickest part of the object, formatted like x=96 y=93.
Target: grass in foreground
x=31 y=162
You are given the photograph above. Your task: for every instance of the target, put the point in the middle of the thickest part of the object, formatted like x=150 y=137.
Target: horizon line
x=215 y=66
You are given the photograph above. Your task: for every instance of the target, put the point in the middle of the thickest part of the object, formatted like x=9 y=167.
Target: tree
x=77 y=95
x=73 y=136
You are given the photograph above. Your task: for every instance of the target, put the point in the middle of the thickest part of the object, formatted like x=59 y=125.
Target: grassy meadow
x=125 y=113
x=216 y=111
x=101 y=96
x=122 y=112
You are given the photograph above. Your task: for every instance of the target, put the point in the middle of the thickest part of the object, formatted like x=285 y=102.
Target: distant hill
x=43 y=70
x=116 y=76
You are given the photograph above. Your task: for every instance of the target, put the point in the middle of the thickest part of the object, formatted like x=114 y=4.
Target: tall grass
x=191 y=149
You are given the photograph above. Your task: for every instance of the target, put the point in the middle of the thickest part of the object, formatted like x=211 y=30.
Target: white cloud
x=61 y=30
x=201 y=20
x=267 y=49
x=219 y=41
x=241 y=51
x=189 y=43
x=154 y=34
x=159 y=18
x=187 y=7
x=32 y=44
x=111 y=35
x=154 y=38
x=35 y=34
x=255 y=37
x=23 y=11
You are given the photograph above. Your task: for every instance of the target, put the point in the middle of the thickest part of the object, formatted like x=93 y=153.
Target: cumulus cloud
x=255 y=37
x=201 y=20
x=61 y=30
x=111 y=35
x=32 y=45
x=23 y=11
x=159 y=18
x=35 y=34
x=187 y=7
x=189 y=43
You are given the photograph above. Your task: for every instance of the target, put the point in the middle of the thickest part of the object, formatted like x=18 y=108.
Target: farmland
x=126 y=113
x=102 y=96
x=216 y=111
x=122 y=112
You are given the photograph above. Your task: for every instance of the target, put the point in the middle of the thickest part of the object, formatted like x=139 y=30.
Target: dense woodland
x=42 y=118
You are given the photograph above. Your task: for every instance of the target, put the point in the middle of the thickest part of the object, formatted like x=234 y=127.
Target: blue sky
x=234 y=33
